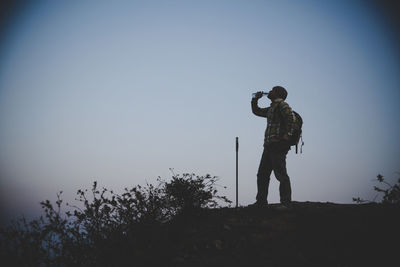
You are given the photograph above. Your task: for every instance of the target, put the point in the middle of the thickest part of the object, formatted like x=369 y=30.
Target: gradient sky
x=121 y=91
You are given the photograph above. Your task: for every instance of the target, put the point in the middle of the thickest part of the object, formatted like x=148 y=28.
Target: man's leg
x=279 y=162
x=263 y=177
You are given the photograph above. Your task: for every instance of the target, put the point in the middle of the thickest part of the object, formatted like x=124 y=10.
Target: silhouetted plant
x=102 y=220
x=40 y=241
x=190 y=192
x=391 y=194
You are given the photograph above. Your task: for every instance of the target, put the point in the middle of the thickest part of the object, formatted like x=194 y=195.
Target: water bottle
x=263 y=94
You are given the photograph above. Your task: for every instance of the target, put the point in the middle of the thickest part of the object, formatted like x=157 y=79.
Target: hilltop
x=179 y=223
x=307 y=234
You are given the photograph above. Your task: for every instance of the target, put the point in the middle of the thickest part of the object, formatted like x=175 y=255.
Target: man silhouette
x=280 y=119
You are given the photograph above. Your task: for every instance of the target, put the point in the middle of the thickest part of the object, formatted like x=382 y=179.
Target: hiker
x=280 y=120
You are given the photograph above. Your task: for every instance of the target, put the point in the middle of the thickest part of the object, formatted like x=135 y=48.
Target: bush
x=391 y=194
x=104 y=225
x=190 y=192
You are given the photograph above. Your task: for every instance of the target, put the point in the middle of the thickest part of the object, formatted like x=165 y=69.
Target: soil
x=304 y=234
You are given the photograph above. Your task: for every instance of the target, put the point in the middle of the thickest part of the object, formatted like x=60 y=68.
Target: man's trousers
x=274 y=159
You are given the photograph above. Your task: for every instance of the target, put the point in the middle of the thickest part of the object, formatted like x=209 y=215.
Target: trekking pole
x=237 y=175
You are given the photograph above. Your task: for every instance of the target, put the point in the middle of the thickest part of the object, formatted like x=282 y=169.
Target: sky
x=119 y=92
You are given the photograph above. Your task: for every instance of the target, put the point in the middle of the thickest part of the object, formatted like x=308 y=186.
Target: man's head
x=277 y=92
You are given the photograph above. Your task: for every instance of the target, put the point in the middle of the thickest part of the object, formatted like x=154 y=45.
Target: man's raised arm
x=262 y=112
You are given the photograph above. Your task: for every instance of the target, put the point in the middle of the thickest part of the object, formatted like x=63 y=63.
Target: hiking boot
x=281 y=207
x=258 y=204
x=284 y=205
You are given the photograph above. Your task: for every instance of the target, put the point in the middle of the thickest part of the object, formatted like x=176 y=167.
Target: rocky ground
x=306 y=234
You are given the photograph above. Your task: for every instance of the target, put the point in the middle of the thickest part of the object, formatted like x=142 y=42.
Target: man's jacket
x=280 y=120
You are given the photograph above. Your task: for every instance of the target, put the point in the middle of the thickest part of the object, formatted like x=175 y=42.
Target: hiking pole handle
x=237 y=144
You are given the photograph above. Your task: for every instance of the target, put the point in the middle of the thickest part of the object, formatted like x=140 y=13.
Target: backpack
x=297 y=132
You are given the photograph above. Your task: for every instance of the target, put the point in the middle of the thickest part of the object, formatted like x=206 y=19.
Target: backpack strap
x=302 y=143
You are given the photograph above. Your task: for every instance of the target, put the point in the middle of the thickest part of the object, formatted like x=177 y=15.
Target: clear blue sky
x=121 y=91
